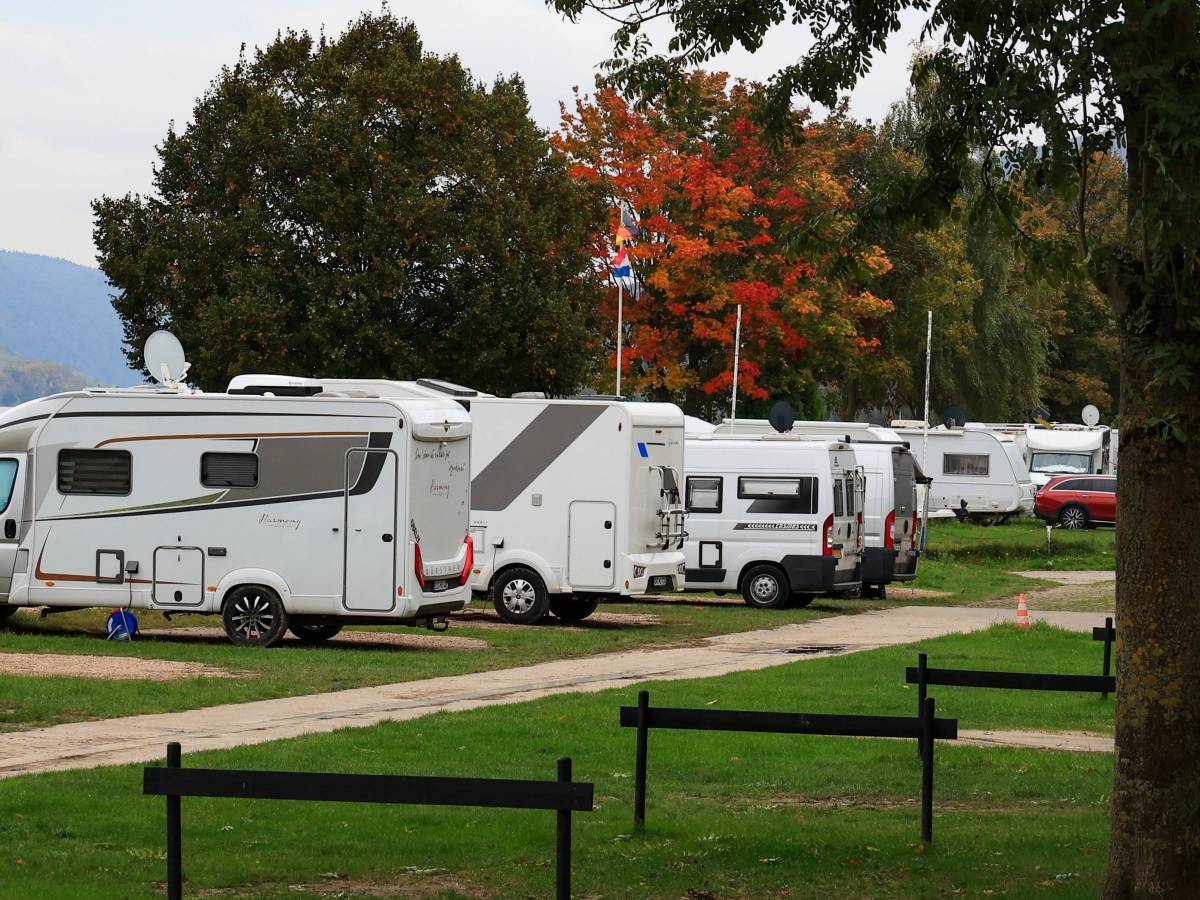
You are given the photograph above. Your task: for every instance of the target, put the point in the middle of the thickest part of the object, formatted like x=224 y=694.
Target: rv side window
x=838 y=508
x=229 y=470
x=796 y=495
x=703 y=494
x=95 y=472
x=965 y=464
x=8 y=477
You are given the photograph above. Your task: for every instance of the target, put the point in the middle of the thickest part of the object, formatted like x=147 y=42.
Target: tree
x=360 y=207
x=1043 y=87
x=713 y=199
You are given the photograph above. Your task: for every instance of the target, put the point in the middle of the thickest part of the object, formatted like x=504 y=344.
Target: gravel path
x=143 y=738
x=128 y=668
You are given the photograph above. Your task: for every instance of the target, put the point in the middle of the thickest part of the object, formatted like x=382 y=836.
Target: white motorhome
x=773 y=516
x=1068 y=450
x=976 y=474
x=857 y=431
x=572 y=500
x=279 y=513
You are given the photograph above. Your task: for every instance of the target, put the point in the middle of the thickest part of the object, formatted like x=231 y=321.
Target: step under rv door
x=592 y=544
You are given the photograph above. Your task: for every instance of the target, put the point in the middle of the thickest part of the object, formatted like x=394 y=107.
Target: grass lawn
x=729 y=815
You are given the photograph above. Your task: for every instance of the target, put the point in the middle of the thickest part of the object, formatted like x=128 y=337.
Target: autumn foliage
x=727 y=218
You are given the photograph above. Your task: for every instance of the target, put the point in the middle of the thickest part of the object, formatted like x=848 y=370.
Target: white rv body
x=765 y=507
x=975 y=473
x=584 y=493
x=856 y=431
x=1068 y=450
x=169 y=500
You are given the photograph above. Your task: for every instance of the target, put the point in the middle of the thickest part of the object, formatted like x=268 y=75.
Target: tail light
x=859 y=532
x=889 y=525
x=468 y=562
x=915 y=527
x=826 y=536
x=418 y=565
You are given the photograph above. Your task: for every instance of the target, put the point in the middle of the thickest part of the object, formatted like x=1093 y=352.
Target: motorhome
x=1068 y=450
x=976 y=474
x=858 y=431
x=572 y=500
x=300 y=512
x=775 y=517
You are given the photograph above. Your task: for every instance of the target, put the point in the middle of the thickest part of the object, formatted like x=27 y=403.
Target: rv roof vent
x=447 y=387
x=907 y=423
x=608 y=397
x=275 y=386
x=529 y=395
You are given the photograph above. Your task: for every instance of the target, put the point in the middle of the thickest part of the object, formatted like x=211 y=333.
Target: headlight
x=682 y=568
x=639 y=571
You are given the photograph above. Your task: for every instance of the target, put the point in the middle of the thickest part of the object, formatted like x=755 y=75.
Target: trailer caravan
x=279 y=513
x=1068 y=450
x=773 y=516
x=976 y=474
x=572 y=500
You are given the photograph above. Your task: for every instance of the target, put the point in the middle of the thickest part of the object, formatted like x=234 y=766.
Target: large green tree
x=359 y=207
x=1043 y=86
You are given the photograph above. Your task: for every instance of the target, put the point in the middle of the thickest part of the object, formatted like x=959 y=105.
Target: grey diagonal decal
x=528 y=454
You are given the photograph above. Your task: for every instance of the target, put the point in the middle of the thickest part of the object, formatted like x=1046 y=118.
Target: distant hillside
x=26 y=379
x=55 y=310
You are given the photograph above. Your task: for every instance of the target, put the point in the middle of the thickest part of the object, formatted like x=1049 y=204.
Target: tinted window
x=1074 y=484
x=703 y=494
x=1104 y=485
x=965 y=464
x=8 y=477
x=94 y=472
x=229 y=470
x=796 y=495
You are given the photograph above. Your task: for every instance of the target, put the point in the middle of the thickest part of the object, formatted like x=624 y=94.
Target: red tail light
x=914 y=531
x=826 y=535
x=465 y=574
x=420 y=568
x=889 y=525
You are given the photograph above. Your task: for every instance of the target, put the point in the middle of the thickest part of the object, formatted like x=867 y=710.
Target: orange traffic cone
x=1022 y=612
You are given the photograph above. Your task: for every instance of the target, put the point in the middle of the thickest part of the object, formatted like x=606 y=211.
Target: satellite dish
x=164 y=358
x=782 y=417
x=1091 y=415
x=954 y=416
x=1039 y=414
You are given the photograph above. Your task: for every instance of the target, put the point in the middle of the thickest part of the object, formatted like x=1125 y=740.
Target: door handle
x=10 y=529
x=387 y=538
x=608 y=564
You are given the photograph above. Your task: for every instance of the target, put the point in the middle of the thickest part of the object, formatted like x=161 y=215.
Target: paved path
x=143 y=738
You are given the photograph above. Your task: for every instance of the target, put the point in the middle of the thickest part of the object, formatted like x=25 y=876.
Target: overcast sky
x=87 y=88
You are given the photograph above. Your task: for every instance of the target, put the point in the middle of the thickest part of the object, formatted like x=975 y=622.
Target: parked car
x=1076 y=501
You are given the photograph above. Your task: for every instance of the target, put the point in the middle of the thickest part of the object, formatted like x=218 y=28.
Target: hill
x=55 y=310
x=24 y=379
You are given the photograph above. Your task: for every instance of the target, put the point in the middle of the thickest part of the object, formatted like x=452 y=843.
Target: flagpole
x=925 y=432
x=620 y=330
x=737 y=346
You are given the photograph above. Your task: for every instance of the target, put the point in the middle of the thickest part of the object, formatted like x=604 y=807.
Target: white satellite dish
x=1091 y=415
x=164 y=358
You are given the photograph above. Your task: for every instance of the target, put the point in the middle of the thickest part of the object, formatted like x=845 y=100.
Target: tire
x=254 y=616
x=520 y=597
x=766 y=587
x=571 y=608
x=1074 y=516
x=314 y=634
x=799 y=601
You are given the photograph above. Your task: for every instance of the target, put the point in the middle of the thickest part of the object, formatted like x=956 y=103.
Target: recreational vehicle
x=977 y=474
x=775 y=517
x=572 y=500
x=1068 y=450
x=278 y=513
x=855 y=431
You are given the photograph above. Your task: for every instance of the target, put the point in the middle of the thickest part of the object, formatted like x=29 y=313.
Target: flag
x=628 y=223
x=620 y=265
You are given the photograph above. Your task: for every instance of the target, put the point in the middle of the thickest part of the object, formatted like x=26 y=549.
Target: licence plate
x=659 y=581
x=441 y=586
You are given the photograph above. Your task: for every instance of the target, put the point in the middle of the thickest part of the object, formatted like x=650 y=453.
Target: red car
x=1078 y=501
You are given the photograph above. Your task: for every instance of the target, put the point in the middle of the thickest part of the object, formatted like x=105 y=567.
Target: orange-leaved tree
x=727 y=218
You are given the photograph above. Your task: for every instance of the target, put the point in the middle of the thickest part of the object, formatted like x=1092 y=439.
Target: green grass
x=729 y=815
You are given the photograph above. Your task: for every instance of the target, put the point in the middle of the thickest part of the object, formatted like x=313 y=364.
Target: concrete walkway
x=143 y=738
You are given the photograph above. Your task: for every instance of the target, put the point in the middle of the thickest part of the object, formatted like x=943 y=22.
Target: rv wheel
x=314 y=634
x=520 y=597
x=573 y=608
x=766 y=587
x=254 y=616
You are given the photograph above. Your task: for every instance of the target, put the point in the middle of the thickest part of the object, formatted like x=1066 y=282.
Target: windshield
x=1061 y=463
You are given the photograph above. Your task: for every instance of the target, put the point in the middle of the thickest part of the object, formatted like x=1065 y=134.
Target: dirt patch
x=346 y=640
x=117 y=668
x=420 y=883
x=1086 y=576
x=895 y=592
x=489 y=618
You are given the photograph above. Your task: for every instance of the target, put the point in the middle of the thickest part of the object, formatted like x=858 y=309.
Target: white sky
x=87 y=88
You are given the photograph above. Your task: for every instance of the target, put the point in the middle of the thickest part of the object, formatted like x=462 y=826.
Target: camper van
x=572 y=500
x=976 y=474
x=775 y=517
x=278 y=513
x=1068 y=450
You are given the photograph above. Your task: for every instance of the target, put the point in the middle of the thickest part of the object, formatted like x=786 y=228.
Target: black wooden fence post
x=174 y=837
x=927 y=740
x=639 y=775
x=922 y=689
x=1108 y=632
x=563 y=862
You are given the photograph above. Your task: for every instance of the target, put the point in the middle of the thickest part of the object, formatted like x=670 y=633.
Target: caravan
x=1068 y=450
x=300 y=512
x=773 y=516
x=572 y=500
